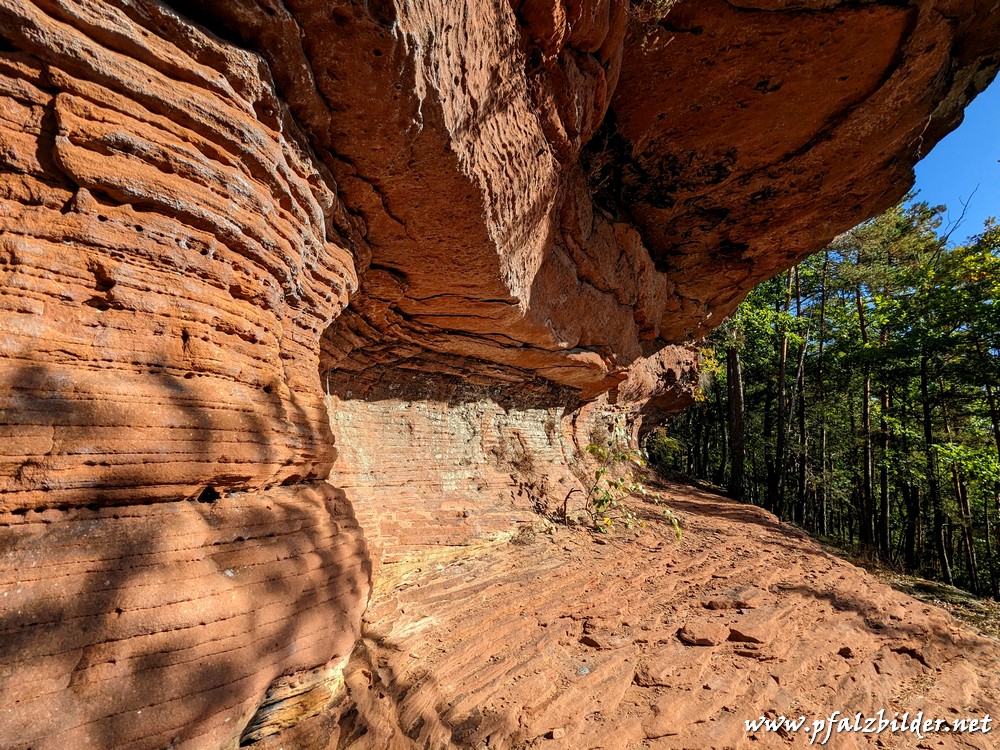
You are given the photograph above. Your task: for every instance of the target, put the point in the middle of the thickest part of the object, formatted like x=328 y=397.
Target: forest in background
x=857 y=397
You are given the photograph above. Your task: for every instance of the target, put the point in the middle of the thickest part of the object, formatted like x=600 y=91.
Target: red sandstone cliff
x=300 y=302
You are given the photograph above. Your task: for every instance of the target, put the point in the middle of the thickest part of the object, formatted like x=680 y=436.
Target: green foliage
x=977 y=463
x=870 y=380
x=661 y=449
x=709 y=368
x=615 y=480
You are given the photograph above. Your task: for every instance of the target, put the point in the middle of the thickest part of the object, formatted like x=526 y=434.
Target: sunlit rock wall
x=170 y=253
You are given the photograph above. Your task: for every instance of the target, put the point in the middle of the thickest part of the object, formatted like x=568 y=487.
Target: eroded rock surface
x=170 y=253
x=560 y=642
x=559 y=188
x=164 y=625
x=170 y=256
x=237 y=236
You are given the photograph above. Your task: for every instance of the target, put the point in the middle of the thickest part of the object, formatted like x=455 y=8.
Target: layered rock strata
x=170 y=253
x=165 y=625
x=236 y=234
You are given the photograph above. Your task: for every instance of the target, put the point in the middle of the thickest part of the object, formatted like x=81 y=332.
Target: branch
x=961 y=217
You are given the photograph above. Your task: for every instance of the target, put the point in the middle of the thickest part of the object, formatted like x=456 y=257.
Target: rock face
x=171 y=256
x=165 y=625
x=170 y=253
x=237 y=236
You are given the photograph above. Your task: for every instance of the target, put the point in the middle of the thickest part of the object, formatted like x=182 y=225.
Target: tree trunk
x=883 y=474
x=866 y=503
x=933 y=486
x=777 y=484
x=823 y=511
x=691 y=445
x=768 y=447
x=962 y=497
x=910 y=493
x=799 y=511
x=990 y=561
x=911 y=499
x=995 y=420
x=968 y=540
x=856 y=482
x=734 y=379
x=706 y=439
x=721 y=421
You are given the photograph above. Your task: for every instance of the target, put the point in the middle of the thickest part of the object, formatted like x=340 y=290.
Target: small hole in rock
x=208 y=495
x=98 y=303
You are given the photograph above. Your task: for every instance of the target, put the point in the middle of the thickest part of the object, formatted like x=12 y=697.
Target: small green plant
x=668 y=516
x=605 y=500
x=614 y=481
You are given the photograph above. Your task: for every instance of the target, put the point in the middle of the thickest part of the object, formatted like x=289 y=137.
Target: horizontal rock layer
x=435 y=468
x=434 y=465
x=170 y=254
x=169 y=259
x=163 y=625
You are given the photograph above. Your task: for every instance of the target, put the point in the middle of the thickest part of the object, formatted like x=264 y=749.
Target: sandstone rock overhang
x=214 y=215
x=555 y=189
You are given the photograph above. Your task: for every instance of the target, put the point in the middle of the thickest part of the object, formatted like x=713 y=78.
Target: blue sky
x=966 y=158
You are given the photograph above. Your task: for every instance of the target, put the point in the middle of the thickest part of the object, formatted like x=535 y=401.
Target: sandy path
x=566 y=642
